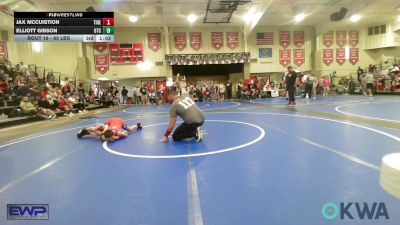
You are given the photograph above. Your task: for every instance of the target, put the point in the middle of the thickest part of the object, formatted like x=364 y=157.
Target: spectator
x=325 y=85
x=152 y=97
x=314 y=86
x=222 y=91
x=73 y=100
x=28 y=108
x=229 y=89
x=216 y=90
x=309 y=86
x=359 y=74
x=143 y=91
x=138 y=96
x=124 y=94
x=369 y=80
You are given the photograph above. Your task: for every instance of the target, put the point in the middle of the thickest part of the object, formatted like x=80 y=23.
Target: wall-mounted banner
x=265 y=53
x=327 y=39
x=100 y=46
x=298 y=38
x=353 y=56
x=232 y=40
x=327 y=56
x=284 y=57
x=217 y=40
x=284 y=38
x=180 y=40
x=298 y=56
x=354 y=37
x=341 y=38
x=154 y=41
x=3 y=50
x=340 y=56
x=196 y=40
x=101 y=63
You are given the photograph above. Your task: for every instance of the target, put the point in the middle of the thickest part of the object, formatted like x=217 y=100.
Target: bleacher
x=10 y=112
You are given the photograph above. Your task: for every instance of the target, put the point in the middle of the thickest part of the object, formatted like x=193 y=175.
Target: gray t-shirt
x=186 y=108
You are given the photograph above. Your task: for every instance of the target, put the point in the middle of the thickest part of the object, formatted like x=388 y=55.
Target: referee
x=290 y=82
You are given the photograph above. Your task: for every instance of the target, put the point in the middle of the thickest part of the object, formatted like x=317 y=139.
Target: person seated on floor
x=28 y=108
x=114 y=128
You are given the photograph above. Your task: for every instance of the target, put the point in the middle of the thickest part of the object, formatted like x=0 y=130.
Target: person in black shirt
x=359 y=74
x=124 y=94
x=229 y=89
x=290 y=81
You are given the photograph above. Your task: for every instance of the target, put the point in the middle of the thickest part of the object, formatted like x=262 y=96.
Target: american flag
x=265 y=38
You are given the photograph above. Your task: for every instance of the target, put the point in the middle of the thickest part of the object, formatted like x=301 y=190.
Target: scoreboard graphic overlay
x=64 y=26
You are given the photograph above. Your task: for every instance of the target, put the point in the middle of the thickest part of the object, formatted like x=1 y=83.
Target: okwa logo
x=355 y=210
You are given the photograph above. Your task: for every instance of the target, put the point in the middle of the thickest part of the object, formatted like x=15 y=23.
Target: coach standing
x=290 y=81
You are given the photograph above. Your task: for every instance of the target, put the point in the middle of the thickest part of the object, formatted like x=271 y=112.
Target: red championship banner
x=284 y=38
x=154 y=41
x=353 y=56
x=284 y=57
x=100 y=46
x=101 y=62
x=341 y=38
x=3 y=50
x=327 y=56
x=354 y=37
x=196 y=40
x=298 y=56
x=232 y=40
x=217 y=40
x=180 y=40
x=327 y=39
x=340 y=56
x=298 y=38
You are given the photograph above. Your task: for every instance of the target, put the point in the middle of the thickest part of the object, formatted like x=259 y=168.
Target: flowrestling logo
x=355 y=211
x=27 y=211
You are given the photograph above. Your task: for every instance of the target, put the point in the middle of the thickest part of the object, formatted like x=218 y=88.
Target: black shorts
x=370 y=86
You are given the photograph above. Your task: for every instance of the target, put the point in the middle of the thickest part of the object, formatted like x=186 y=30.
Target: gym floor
x=260 y=162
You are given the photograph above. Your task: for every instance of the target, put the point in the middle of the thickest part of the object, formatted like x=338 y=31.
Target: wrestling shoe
x=139 y=126
x=199 y=135
x=82 y=133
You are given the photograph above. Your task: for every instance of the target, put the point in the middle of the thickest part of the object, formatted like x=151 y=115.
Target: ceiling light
x=355 y=18
x=191 y=18
x=103 y=78
x=248 y=17
x=299 y=17
x=133 y=19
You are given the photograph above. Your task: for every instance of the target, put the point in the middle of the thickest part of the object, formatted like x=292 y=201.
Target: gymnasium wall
x=131 y=35
x=206 y=36
x=366 y=57
x=273 y=65
x=61 y=57
x=64 y=57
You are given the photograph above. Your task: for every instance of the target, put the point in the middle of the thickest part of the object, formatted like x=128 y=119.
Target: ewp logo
x=375 y=211
x=27 y=211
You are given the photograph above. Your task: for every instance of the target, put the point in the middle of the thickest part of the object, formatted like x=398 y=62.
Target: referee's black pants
x=185 y=131
x=291 y=90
